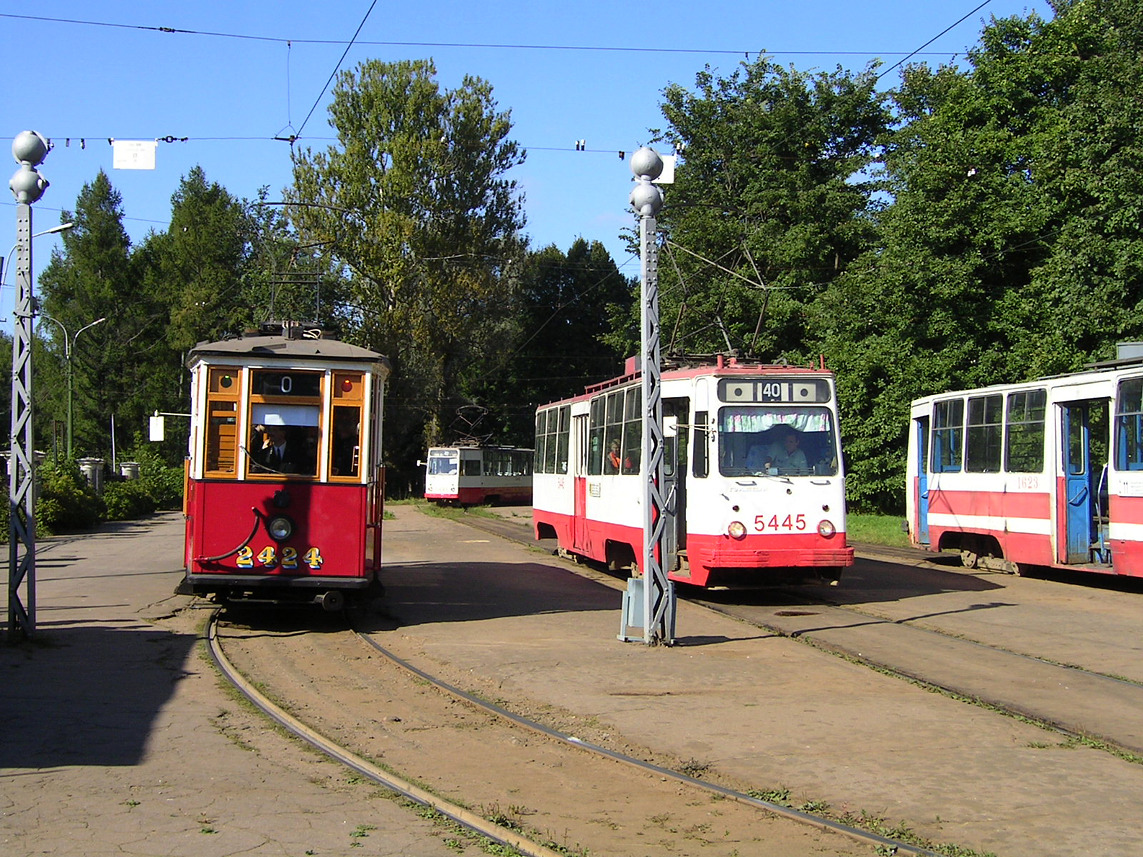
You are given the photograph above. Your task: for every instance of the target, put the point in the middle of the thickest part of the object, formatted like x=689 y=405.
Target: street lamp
x=69 y=346
x=63 y=227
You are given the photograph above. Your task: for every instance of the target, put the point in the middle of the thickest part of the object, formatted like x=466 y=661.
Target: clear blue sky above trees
x=236 y=75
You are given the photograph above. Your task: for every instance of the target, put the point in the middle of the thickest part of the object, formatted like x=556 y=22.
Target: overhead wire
x=333 y=73
x=468 y=45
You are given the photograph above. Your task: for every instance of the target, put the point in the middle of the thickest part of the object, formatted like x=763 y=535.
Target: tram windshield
x=760 y=440
x=285 y=439
x=443 y=462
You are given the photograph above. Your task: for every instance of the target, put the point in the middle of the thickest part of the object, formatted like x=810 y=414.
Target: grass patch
x=876 y=530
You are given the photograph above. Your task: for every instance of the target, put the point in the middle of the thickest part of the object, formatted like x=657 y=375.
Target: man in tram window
x=785 y=454
x=279 y=455
x=613 y=462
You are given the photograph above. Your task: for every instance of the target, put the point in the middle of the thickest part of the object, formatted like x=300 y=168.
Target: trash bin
x=92 y=470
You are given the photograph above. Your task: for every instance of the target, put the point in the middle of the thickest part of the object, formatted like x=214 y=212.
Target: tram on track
x=285 y=483
x=754 y=483
x=478 y=474
x=1046 y=473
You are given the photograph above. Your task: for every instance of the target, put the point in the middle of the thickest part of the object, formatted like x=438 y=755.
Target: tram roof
x=282 y=346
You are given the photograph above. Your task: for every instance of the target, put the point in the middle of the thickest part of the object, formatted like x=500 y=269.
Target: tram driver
x=783 y=456
x=278 y=453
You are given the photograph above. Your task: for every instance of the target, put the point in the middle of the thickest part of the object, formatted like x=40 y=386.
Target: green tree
x=1011 y=248
x=565 y=305
x=200 y=261
x=92 y=278
x=413 y=202
x=770 y=203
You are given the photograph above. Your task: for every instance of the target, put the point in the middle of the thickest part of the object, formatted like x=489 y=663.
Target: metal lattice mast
x=658 y=591
x=29 y=149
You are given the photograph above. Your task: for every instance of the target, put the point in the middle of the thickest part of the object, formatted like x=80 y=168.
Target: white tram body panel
x=1044 y=473
x=741 y=508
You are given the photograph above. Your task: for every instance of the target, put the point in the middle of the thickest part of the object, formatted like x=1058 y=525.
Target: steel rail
x=865 y=837
x=456 y=813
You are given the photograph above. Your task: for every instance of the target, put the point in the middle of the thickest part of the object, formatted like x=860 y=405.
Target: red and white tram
x=474 y=475
x=285 y=486
x=1046 y=473
x=742 y=506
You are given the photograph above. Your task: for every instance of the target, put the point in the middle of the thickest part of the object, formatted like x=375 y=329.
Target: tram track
x=511 y=835
x=1074 y=700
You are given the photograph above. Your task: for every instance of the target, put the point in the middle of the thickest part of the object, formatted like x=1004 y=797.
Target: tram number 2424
x=789 y=523
x=268 y=558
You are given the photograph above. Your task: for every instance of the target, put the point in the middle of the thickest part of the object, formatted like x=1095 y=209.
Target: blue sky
x=247 y=71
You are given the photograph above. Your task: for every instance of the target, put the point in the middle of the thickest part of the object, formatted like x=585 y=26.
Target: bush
x=65 y=501
x=126 y=500
x=163 y=483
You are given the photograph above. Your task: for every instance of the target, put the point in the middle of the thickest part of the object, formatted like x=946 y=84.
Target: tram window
x=285 y=439
x=221 y=453
x=442 y=463
x=948 y=429
x=1024 y=432
x=221 y=436
x=1129 y=425
x=552 y=440
x=563 y=434
x=613 y=433
x=541 y=439
x=985 y=422
x=595 y=439
x=346 y=441
x=701 y=465
x=632 y=431
x=753 y=440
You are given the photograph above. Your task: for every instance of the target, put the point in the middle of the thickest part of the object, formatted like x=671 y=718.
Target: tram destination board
x=777 y=390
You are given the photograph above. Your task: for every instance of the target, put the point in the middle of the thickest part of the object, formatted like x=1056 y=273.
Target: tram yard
x=1061 y=658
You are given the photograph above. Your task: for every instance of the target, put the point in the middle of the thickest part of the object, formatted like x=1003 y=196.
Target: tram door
x=579 y=483
x=1085 y=434
x=921 y=426
x=675 y=412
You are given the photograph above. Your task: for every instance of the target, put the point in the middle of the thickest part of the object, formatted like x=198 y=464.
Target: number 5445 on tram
x=285 y=485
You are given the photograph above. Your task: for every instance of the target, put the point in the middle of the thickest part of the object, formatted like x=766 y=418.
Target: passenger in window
x=278 y=455
x=785 y=454
x=614 y=462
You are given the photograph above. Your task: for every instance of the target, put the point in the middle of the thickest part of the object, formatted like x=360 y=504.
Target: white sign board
x=133 y=154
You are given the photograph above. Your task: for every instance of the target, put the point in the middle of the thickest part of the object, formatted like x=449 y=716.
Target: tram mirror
x=157 y=428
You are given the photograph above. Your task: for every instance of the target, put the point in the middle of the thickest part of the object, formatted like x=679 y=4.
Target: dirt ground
x=561 y=795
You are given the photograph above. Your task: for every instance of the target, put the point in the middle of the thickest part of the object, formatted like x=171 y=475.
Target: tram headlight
x=736 y=530
x=826 y=529
x=280 y=528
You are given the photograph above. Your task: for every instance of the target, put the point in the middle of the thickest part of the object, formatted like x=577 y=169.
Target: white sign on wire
x=133 y=154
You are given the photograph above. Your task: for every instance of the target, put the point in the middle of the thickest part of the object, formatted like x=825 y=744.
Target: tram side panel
x=327 y=546
x=1047 y=473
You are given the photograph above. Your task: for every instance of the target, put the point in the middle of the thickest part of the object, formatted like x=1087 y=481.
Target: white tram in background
x=740 y=509
x=1045 y=473
x=474 y=475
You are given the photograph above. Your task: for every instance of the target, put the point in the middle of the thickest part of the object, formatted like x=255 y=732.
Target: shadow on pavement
x=463 y=592
x=86 y=695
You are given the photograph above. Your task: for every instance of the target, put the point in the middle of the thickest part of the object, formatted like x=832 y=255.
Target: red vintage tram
x=285 y=486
